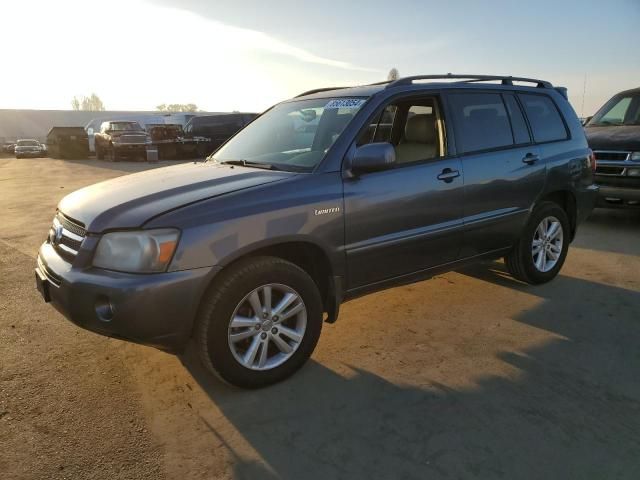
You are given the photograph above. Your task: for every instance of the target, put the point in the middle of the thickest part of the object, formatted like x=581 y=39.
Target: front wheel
x=259 y=322
x=542 y=249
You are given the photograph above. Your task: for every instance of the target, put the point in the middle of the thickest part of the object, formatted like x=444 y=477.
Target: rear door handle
x=448 y=175
x=530 y=159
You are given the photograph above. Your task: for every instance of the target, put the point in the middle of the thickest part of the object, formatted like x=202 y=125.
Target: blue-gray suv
x=327 y=196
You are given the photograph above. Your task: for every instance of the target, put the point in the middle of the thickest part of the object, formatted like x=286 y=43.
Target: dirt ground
x=468 y=375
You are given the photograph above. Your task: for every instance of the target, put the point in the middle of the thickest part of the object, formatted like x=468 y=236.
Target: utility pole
x=584 y=90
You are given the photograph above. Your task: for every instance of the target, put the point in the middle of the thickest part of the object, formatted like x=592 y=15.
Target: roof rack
x=318 y=90
x=506 y=80
x=326 y=89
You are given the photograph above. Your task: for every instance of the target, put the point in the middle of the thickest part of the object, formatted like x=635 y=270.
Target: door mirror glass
x=373 y=157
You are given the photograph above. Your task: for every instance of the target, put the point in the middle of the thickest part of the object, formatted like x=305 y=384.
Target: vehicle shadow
x=596 y=232
x=571 y=411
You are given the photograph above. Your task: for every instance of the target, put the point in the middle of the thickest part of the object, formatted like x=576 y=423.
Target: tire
x=112 y=154
x=523 y=263
x=227 y=299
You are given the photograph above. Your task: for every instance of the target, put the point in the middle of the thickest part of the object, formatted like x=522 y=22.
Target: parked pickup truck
x=613 y=134
x=121 y=139
x=248 y=252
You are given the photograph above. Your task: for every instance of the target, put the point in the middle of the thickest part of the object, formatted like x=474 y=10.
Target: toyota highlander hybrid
x=327 y=196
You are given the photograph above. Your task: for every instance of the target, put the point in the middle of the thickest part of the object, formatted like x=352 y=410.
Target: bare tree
x=393 y=74
x=177 y=107
x=92 y=103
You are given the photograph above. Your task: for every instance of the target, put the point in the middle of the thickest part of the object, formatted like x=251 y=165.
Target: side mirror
x=586 y=120
x=373 y=157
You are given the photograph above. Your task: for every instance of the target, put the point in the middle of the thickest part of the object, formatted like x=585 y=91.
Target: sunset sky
x=247 y=55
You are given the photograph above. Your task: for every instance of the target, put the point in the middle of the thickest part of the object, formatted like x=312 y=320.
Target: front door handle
x=530 y=159
x=448 y=175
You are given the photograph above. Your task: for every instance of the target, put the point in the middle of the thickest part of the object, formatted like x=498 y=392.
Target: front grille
x=66 y=236
x=611 y=155
x=133 y=139
x=71 y=225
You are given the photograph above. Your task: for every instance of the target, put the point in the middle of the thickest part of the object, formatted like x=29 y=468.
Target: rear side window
x=480 y=121
x=518 y=125
x=544 y=118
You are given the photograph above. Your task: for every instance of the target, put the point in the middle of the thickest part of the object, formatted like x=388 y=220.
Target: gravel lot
x=468 y=375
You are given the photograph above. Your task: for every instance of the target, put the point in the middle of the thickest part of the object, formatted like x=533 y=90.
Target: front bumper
x=618 y=197
x=152 y=309
x=30 y=153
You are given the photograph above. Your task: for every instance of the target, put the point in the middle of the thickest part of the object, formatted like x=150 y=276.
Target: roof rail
x=506 y=80
x=318 y=90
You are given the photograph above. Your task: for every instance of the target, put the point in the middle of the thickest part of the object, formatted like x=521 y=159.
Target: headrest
x=420 y=129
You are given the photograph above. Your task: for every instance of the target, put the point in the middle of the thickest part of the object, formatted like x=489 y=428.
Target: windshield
x=619 y=111
x=121 y=126
x=28 y=143
x=293 y=135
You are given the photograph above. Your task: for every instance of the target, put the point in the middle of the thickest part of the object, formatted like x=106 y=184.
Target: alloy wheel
x=267 y=326
x=546 y=246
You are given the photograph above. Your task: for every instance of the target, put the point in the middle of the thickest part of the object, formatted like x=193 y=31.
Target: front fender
x=305 y=208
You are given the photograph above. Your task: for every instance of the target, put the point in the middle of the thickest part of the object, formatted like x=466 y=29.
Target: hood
x=613 y=137
x=131 y=200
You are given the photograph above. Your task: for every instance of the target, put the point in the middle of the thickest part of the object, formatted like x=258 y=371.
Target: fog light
x=104 y=309
x=633 y=172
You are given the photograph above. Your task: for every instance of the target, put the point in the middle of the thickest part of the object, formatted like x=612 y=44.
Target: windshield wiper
x=248 y=163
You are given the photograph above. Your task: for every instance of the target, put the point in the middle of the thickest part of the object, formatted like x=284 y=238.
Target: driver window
x=414 y=127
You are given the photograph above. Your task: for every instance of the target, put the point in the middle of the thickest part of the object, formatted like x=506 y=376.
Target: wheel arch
x=567 y=201
x=308 y=255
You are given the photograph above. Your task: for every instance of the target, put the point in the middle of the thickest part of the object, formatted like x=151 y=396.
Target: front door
x=408 y=218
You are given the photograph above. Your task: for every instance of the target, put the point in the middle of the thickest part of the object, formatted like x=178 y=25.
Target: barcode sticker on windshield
x=344 y=103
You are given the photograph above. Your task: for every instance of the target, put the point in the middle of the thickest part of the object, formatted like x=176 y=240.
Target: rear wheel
x=541 y=251
x=259 y=322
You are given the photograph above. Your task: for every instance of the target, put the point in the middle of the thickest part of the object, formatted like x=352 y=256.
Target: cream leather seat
x=420 y=139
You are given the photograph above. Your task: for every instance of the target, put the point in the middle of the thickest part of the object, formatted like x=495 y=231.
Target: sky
x=246 y=55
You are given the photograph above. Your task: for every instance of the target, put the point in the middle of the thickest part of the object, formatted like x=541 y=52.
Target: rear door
x=504 y=172
x=408 y=218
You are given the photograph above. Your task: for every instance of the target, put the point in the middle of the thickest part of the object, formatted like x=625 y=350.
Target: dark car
x=217 y=129
x=120 y=139
x=613 y=134
x=28 y=149
x=248 y=252
x=68 y=142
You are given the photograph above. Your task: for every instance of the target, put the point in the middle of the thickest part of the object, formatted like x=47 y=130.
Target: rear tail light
x=592 y=161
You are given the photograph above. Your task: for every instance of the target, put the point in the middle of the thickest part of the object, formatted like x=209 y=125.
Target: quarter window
x=480 y=121
x=544 y=118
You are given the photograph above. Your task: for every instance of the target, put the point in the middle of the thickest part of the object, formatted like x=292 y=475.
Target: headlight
x=143 y=251
x=635 y=156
